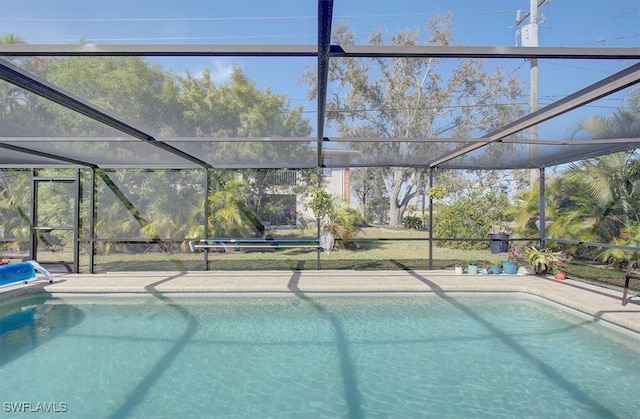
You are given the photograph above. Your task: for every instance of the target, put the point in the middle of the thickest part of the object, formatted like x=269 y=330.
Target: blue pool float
x=22 y=272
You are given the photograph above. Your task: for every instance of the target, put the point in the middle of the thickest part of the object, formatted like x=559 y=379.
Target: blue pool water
x=313 y=356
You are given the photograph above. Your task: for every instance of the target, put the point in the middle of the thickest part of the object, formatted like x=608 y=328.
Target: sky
x=487 y=22
x=584 y=23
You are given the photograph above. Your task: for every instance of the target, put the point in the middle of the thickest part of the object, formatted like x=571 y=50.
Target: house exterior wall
x=337 y=183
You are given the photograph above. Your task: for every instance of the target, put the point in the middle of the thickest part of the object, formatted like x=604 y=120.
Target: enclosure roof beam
x=618 y=81
x=156 y=50
x=455 y=51
x=14 y=75
x=287 y=50
x=543 y=141
x=47 y=155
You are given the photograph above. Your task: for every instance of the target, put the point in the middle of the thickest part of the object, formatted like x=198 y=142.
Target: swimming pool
x=306 y=355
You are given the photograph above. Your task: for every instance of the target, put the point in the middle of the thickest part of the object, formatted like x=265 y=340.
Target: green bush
x=412 y=222
x=471 y=216
x=344 y=223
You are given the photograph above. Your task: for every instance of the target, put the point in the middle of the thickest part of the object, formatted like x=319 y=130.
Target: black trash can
x=499 y=242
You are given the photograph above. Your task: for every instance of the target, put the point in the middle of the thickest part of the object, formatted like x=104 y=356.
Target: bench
x=325 y=242
x=254 y=244
x=631 y=273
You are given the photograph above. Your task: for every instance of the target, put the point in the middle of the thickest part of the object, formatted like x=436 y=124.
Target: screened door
x=55 y=222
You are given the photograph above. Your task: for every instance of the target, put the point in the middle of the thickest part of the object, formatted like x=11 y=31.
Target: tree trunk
x=363 y=209
x=395 y=216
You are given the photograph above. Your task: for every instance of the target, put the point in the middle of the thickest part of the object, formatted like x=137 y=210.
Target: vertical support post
x=319 y=171
x=205 y=227
x=33 y=240
x=543 y=223
x=76 y=223
x=92 y=221
x=430 y=221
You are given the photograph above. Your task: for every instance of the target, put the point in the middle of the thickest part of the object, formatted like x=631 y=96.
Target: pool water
x=315 y=356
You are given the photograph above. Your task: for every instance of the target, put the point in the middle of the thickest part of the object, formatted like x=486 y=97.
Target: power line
x=614 y=17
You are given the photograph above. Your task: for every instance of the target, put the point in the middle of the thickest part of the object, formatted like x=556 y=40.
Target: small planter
x=560 y=275
x=509 y=268
x=472 y=269
x=543 y=261
x=458 y=270
x=494 y=269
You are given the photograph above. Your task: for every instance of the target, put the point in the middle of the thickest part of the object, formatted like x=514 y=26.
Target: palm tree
x=604 y=195
x=595 y=200
x=228 y=214
x=604 y=202
x=624 y=122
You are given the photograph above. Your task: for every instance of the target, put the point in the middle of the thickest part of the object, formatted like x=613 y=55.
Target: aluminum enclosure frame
x=20 y=152
x=324 y=51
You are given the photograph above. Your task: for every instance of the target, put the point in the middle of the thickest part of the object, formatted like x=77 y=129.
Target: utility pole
x=529 y=36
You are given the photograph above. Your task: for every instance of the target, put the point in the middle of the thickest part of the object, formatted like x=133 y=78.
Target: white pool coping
x=602 y=304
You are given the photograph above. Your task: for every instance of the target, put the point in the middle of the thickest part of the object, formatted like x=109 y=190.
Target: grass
x=404 y=252
x=598 y=273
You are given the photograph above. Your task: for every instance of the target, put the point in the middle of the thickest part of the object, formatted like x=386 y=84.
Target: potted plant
x=541 y=259
x=559 y=269
x=472 y=268
x=510 y=266
x=458 y=269
x=494 y=266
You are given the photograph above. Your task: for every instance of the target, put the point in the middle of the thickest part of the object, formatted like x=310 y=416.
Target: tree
x=413 y=98
x=367 y=185
x=334 y=215
x=227 y=210
x=238 y=109
x=596 y=200
x=163 y=104
x=604 y=204
x=22 y=113
x=605 y=190
x=624 y=122
x=15 y=195
x=136 y=91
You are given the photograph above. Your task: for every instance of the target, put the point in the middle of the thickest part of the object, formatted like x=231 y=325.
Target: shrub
x=412 y=222
x=471 y=216
x=344 y=222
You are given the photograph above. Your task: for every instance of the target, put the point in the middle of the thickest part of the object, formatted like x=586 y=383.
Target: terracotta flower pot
x=560 y=275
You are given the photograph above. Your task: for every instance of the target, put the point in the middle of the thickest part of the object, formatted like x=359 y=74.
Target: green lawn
x=397 y=250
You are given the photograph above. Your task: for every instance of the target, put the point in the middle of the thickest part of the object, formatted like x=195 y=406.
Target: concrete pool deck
x=603 y=304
